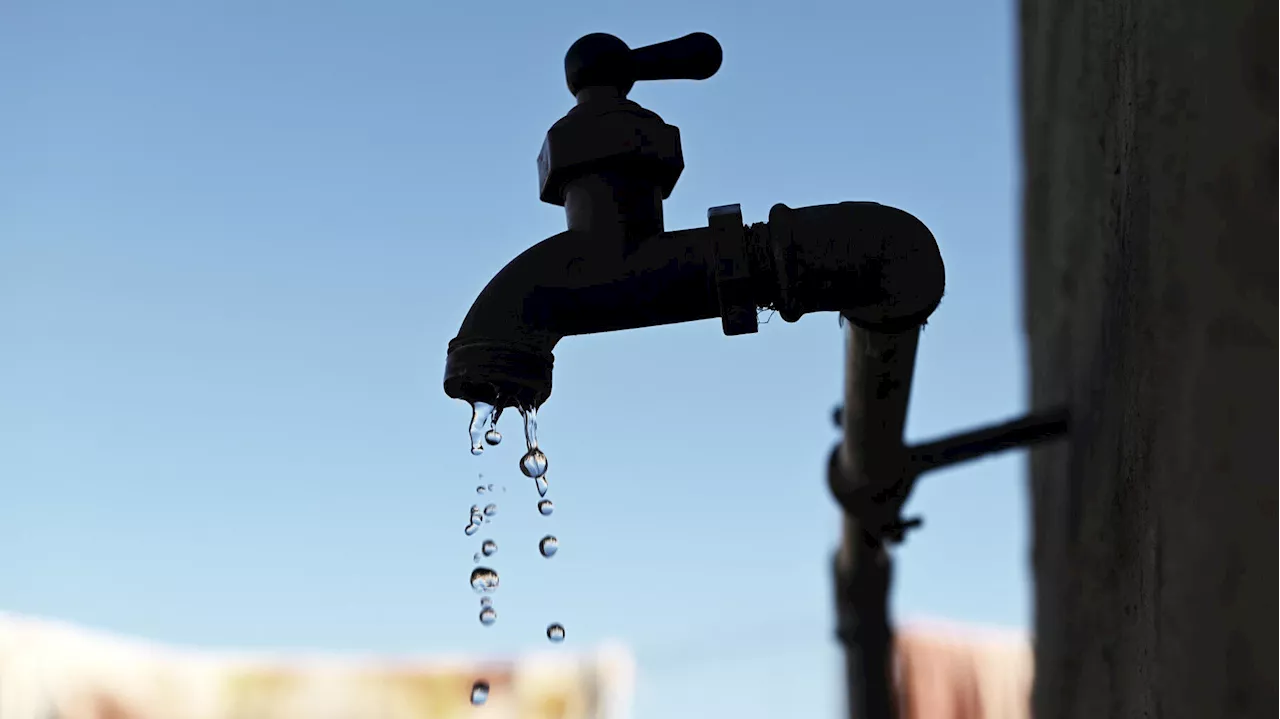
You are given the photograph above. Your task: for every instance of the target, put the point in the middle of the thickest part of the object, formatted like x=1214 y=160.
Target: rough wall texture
x=1151 y=283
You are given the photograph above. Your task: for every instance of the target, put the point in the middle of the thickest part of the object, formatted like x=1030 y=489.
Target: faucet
x=610 y=163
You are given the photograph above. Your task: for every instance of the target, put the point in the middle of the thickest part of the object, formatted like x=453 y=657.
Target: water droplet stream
x=481 y=416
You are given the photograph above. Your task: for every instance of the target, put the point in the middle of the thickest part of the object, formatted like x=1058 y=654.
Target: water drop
x=486 y=601
x=481 y=414
x=555 y=632
x=541 y=484
x=548 y=545
x=489 y=547
x=480 y=489
x=479 y=692
x=493 y=437
x=488 y=616
x=545 y=507
x=533 y=463
x=490 y=510
x=484 y=580
x=490 y=488
x=476 y=557
x=471 y=529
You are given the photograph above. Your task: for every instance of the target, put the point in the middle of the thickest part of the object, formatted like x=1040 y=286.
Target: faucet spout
x=573 y=283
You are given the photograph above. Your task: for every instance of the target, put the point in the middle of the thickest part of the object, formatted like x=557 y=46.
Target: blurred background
x=236 y=237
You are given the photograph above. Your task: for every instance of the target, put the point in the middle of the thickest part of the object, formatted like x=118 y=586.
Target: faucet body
x=877 y=265
x=610 y=163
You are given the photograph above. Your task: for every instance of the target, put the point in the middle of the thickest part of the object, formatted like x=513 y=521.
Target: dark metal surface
x=602 y=60
x=1024 y=431
x=866 y=468
x=610 y=163
x=1031 y=429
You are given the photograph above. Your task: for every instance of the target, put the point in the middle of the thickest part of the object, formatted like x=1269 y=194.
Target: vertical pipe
x=870 y=458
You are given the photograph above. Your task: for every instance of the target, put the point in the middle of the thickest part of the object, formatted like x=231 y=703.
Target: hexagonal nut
x=616 y=138
x=734 y=284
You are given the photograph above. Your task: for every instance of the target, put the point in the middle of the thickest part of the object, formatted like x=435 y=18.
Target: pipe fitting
x=877 y=265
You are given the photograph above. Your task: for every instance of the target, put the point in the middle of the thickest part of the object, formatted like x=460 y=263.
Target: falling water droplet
x=490 y=488
x=488 y=616
x=489 y=547
x=533 y=463
x=476 y=557
x=479 y=693
x=484 y=580
x=486 y=601
x=490 y=510
x=471 y=529
x=541 y=484
x=555 y=632
x=481 y=414
x=545 y=507
x=548 y=545
x=480 y=489
x=493 y=437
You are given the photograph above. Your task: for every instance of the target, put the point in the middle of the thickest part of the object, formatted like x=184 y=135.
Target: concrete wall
x=1151 y=284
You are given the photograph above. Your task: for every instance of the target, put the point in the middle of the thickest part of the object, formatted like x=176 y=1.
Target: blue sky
x=235 y=238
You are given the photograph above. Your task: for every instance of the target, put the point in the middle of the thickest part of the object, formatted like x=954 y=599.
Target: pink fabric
x=955 y=673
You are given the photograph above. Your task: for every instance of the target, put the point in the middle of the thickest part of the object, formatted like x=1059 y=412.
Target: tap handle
x=600 y=59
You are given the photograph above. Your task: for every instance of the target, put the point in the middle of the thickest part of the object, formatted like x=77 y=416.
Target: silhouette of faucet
x=610 y=163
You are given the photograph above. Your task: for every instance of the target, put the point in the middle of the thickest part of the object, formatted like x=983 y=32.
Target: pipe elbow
x=877 y=265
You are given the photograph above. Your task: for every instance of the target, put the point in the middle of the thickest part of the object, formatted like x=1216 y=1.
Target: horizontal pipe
x=574 y=284
x=1031 y=429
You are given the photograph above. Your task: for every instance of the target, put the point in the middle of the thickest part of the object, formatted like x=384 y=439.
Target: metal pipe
x=867 y=467
x=1033 y=428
